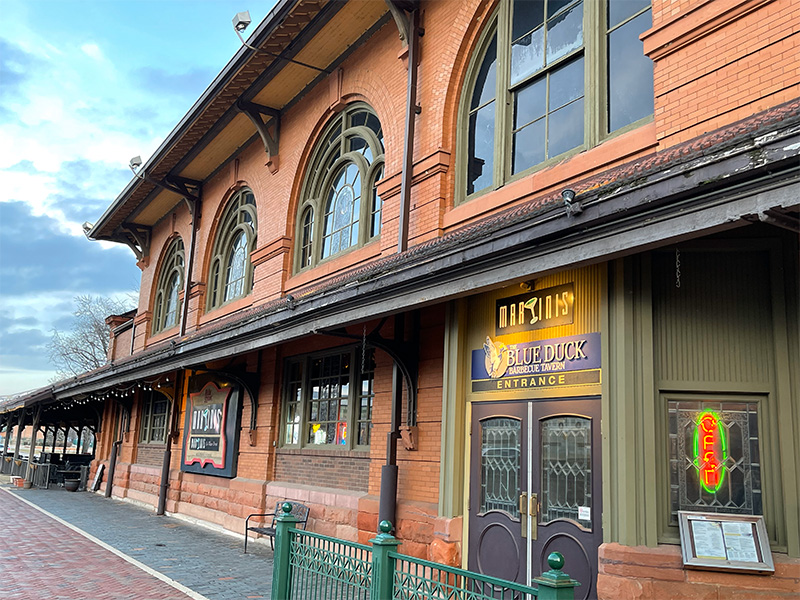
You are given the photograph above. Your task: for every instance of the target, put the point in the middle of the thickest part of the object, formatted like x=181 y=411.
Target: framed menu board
x=721 y=542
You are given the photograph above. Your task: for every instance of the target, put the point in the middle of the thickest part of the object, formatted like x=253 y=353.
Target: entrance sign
x=559 y=362
x=536 y=310
x=721 y=542
x=210 y=431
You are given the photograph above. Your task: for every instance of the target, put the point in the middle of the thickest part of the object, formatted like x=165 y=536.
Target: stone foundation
x=642 y=573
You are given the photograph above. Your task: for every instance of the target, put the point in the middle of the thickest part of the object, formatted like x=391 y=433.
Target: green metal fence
x=323 y=568
x=310 y=566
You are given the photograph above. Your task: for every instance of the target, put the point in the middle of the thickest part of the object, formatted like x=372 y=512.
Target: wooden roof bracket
x=137 y=238
x=400 y=19
x=256 y=113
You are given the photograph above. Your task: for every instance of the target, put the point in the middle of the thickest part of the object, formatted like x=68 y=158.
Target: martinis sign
x=536 y=310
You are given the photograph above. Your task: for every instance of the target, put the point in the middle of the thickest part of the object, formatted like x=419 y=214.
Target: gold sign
x=536 y=310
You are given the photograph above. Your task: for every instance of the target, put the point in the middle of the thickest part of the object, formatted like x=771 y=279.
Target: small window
x=231 y=272
x=155 y=409
x=166 y=307
x=341 y=208
x=714 y=457
x=328 y=400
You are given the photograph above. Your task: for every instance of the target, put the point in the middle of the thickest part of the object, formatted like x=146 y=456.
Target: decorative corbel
x=256 y=113
x=137 y=238
x=400 y=19
x=189 y=189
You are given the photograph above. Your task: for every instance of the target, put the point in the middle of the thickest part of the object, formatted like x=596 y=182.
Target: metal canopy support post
x=20 y=427
x=36 y=418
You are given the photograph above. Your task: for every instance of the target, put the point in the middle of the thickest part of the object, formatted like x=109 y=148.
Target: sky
x=85 y=85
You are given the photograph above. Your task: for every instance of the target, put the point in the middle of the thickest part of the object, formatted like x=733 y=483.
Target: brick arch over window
x=230 y=273
x=166 y=303
x=340 y=208
x=547 y=79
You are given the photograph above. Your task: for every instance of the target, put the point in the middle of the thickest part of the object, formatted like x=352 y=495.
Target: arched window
x=166 y=308
x=341 y=208
x=549 y=78
x=231 y=273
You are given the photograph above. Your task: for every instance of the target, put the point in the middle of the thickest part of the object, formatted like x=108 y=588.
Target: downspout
x=187 y=283
x=387 y=505
x=162 y=490
x=412 y=110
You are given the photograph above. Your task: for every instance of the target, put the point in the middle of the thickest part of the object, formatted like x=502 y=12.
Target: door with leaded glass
x=535 y=489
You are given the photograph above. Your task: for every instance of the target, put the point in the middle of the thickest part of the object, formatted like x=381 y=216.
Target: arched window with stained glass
x=166 y=305
x=230 y=275
x=341 y=208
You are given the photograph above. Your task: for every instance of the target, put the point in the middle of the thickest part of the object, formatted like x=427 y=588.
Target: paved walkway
x=60 y=545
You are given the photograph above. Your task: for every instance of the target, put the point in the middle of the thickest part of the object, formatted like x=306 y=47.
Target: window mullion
x=595 y=89
x=503 y=98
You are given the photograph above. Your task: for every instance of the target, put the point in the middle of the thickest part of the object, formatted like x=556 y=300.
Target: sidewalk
x=89 y=546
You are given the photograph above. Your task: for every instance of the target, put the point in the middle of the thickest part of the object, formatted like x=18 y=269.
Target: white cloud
x=93 y=51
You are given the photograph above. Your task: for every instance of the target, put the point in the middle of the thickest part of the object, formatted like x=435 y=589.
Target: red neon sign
x=710 y=451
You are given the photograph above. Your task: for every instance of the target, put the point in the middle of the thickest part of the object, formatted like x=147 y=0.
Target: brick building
x=441 y=263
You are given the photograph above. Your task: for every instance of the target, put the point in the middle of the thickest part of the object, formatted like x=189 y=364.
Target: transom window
x=542 y=87
x=155 y=409
x=231 y=272
x=328 y=400
x=341 y=208
x=166 y=307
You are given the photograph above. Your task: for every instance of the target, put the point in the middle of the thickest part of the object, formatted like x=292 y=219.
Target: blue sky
x=85 y=86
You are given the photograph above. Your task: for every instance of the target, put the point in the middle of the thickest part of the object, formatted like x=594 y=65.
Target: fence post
x=282 y=571
x=553 y=584
x=382 y=563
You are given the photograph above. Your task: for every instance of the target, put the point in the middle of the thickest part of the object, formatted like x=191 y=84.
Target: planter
x=71 y=485
x=18 y=481
x=27 y=484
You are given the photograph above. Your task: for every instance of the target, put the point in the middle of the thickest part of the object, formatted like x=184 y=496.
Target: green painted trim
x=454 y=406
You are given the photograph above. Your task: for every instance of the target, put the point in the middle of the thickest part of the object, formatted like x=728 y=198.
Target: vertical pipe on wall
x=170 y=428
x=194 y=207
x=408 y=141
x=387 y=507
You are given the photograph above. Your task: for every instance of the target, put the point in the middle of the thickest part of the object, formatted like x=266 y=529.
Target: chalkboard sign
x=722 y=542
x=98 y=477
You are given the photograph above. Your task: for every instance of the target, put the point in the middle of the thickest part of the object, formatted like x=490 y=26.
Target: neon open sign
x=710 y=450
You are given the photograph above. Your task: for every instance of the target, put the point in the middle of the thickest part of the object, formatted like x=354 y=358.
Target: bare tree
x=85 y=346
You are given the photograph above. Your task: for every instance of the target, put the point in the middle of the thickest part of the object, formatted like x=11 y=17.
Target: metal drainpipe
x=187 y=283
x=408 y=142
x=387 y=504
x=162 y=490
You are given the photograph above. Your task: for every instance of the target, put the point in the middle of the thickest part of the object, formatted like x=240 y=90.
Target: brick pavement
x=43 y=558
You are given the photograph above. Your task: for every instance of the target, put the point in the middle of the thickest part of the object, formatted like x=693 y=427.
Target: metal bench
x=299 y=511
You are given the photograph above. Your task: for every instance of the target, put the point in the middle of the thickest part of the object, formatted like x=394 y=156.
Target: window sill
x=359 y=453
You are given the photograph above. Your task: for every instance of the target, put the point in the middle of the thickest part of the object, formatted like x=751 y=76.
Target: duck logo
x=710 y=451
x=496 y=358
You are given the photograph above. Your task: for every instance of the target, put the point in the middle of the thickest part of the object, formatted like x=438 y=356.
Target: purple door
x=535 y=489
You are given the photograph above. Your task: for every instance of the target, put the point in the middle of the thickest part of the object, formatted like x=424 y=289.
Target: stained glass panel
x=500 y=465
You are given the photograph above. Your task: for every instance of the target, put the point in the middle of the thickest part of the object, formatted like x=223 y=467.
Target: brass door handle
x=534 y=515
x=523 y=513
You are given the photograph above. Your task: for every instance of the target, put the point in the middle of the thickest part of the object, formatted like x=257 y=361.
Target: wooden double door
x=535 y=488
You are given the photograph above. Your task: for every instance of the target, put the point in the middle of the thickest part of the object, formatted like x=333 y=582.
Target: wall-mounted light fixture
x=573 y=207
x=135 y=165
x=241 y=21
